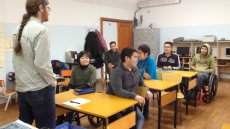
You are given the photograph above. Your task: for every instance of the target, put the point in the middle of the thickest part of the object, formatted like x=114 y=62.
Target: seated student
x=83 y=76
x=147 y=66
x=112 y=57
x=168 y=60
x=124 y=80
x=203 y=63
x=58 y=66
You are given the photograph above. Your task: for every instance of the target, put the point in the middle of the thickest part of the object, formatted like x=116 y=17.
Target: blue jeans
x=39 y=106
x=201 y=78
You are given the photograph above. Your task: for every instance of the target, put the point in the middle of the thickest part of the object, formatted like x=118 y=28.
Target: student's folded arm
x=116 y=85
x=42 y=57
x=211 y=66
x=72 y=84
x=92 y=78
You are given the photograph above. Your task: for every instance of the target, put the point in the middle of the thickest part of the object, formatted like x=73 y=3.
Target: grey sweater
x=123 y=83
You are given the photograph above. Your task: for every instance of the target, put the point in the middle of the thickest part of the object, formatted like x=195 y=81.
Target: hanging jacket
x=92 y=45
x=102 y=40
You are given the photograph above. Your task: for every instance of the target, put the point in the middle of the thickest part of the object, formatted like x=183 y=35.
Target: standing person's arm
x=42 y=57
x=193 y=64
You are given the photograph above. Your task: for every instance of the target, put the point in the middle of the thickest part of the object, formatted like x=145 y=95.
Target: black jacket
x=172 y=61
x=93 y=45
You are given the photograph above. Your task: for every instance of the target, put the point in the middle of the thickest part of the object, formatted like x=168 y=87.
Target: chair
x=6 y=93
x=175 y=78
x=142 y=91
x=125 y=122
x=66 y=73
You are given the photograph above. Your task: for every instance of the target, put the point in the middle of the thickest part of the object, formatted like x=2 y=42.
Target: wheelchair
x=209 y=88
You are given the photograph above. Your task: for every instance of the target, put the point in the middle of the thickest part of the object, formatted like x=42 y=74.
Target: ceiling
x=124 y=4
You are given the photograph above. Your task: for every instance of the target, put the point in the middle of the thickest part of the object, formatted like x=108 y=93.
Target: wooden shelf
x=223 y=65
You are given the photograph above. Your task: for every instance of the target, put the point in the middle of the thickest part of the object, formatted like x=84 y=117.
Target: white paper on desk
x=79 y=101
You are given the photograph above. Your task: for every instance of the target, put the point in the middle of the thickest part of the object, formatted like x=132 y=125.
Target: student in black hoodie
x=168 y=60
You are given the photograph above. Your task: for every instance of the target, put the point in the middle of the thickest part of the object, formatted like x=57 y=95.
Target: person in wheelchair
x=83 y=76
x=203 y=62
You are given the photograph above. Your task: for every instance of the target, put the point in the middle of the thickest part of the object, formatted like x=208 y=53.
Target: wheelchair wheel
x=207 y=98
x=95 y=121
x=213 y=84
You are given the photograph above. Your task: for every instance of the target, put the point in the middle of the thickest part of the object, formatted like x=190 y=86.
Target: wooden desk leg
x=186 y=94
x=159 y=110
x=175 y=111
x=195 y=96
x=105 y=123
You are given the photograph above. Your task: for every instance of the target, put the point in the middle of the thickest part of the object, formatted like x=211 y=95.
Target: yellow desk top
x=64 y=83
x=101 y=105
x=159 y=84
x=226 y=126
x=187 y=74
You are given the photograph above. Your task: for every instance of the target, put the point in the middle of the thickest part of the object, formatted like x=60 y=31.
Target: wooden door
x=125 y=35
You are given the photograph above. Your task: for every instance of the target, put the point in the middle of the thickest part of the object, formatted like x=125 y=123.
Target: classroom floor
x=205 y=116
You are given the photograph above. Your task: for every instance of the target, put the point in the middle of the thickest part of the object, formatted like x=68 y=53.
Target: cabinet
x=222 y=61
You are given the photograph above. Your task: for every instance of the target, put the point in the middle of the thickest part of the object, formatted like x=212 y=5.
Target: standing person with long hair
x=31 y=59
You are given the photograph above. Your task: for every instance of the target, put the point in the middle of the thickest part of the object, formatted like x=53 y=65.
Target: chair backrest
x=2 y=85
x=142 y=91
x=66 y=73
x=125 y=122
x=173 y=77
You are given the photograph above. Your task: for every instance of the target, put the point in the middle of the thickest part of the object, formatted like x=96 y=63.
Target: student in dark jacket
x=112 y=57
x=168 y=60
x=83 y=76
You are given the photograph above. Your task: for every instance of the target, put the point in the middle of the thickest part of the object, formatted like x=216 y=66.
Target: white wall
x=188 y=13
x=66 y=12
x=110 y=32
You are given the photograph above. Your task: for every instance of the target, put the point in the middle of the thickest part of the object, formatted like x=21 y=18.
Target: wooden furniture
x=189 y=79
x=66 y=73
x=101 y=105
x=226 y=126
x=175 y=78
x=218 y=52
x=163 y=100
x=6 y=93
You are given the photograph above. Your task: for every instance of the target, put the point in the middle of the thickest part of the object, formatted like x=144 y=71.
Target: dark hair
x=32 y=7
x=170 y=43
x=81 y=54
x=144 y=48
x=127 y=52
x=112 y=42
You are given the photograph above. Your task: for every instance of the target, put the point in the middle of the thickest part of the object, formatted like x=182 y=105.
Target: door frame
x=101 y=30
x=111 y=20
